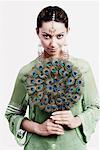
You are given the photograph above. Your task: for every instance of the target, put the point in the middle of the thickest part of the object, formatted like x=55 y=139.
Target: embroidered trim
x=13 y=109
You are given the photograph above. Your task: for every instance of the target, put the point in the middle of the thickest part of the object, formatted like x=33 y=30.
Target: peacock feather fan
x=54 y=84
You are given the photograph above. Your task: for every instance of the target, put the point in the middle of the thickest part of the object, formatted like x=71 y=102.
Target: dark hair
x=46 y=15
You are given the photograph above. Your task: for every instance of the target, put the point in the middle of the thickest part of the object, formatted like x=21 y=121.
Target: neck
x=62 y=55
x=46 y=55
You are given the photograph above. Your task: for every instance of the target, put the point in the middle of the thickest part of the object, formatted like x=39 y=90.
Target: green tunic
x=87 y=108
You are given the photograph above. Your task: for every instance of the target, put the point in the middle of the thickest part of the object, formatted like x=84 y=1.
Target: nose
x=53 y=42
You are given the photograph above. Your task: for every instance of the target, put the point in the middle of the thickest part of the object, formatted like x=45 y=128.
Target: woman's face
x=53 y=37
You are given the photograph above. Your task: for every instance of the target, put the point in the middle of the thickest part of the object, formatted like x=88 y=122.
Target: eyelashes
x=46 y=36
x=59 y=36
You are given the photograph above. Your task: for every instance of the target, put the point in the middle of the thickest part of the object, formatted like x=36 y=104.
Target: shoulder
x=83 y=64
x=26 y=68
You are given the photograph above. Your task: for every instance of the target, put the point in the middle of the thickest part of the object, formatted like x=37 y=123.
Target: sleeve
x=91 y=107
x=16 y=109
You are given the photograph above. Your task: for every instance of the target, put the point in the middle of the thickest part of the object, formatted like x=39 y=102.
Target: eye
x=46 y=36
x=59 y=36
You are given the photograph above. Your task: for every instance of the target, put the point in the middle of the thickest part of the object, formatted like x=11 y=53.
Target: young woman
x=59 y=89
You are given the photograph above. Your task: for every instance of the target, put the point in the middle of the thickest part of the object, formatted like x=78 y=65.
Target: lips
x=53 y=49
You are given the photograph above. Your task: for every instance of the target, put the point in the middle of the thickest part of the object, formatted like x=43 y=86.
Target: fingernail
x=53 y=113
x=56 y=122
x=51 y=117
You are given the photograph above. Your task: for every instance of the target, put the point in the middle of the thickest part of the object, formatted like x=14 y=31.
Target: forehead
x=57 y=26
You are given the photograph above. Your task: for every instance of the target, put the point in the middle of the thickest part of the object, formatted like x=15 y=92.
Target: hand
x=49 y=127
x=66 y=118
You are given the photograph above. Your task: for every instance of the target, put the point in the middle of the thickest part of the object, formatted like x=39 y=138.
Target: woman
x=55 y=122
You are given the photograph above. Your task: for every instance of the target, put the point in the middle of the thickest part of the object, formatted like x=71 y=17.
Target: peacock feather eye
x=55 y=62
x=69 y=96
x=53 y=70
x=48 y=108
x=70 y=81
x=39 y=88
x=55 y=80
x=72 y=89
x=62 y=63
x=42 y=105
x=61 y=83
x=46 y=71
x=79 y=90
x=75 y=74
x=54 y=108
x=52 y=101
x=36 y=99
x=42 y=76
x=49 y=81
x=79 y=81
x=66 y=73
x=61 y=93
x=38 y=81
x=39 y=67
x=69 y=66
x=48 y=64
x=75 y=97
x=49 y=88
x=63 y=99
x=30 y=81
x=59 y=101
x=40 y=95
x=34 y=74
x=31 y=89
x=67 y=105
x=46 y=99
x=55 y=88
x=61 y=71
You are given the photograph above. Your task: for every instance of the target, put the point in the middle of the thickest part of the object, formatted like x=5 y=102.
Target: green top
x=87 y=108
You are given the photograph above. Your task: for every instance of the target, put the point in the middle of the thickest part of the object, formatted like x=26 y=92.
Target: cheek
x=61 y=42
x=44 y=43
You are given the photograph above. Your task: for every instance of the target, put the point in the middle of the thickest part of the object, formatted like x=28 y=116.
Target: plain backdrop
x=19 y=46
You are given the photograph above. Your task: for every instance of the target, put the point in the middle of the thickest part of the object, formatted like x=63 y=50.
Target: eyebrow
x=51 y=35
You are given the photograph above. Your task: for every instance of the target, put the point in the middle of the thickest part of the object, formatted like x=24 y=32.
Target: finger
x=60 y=117
x=64 y=122
x=56 y=126
x=50 y=128
x=61 y=112
x=59 y=126
x=57 y=132
x=57 y=129
x=55 y=117
x=50 y=122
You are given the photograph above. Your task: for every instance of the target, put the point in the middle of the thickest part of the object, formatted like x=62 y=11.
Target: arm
x=91 y=106
x=85 y=122
x=46 y=128
x=66 y=118
x=18 y=123
x=16 y=110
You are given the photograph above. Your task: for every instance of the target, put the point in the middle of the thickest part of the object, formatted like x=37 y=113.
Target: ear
x=37 y=31
x=68 y=29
